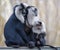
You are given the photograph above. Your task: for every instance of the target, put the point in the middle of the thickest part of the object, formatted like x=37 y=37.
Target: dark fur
x=14 y=32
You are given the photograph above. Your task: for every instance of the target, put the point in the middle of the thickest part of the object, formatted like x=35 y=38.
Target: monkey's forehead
x=32 y=8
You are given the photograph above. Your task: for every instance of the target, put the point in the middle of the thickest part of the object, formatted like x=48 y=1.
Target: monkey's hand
x=31 y=44
x=37 y=43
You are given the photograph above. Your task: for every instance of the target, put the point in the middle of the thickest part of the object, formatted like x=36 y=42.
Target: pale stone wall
x=49 y=12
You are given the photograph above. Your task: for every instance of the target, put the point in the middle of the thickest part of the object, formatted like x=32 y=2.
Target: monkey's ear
x=24 y=5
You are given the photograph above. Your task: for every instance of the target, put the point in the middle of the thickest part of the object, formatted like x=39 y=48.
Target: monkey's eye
x=20 y=9
x=35 y=11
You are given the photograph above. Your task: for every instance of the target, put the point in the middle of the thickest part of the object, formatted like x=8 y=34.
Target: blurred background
x=49 y=12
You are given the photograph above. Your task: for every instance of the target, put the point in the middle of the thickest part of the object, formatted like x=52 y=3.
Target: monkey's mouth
x=38 y=26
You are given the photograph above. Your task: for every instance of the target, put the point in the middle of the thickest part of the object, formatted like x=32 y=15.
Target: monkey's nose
x=40 y=23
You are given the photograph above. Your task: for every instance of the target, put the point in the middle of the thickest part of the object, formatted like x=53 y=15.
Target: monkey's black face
x=22 y=9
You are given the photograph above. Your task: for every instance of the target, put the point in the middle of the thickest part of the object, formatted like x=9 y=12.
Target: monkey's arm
x=20 y=29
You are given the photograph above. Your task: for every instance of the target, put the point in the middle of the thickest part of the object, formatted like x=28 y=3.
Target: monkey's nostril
x=40 y=23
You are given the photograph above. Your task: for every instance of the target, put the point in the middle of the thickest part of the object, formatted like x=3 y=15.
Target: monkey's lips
x=38 y=28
